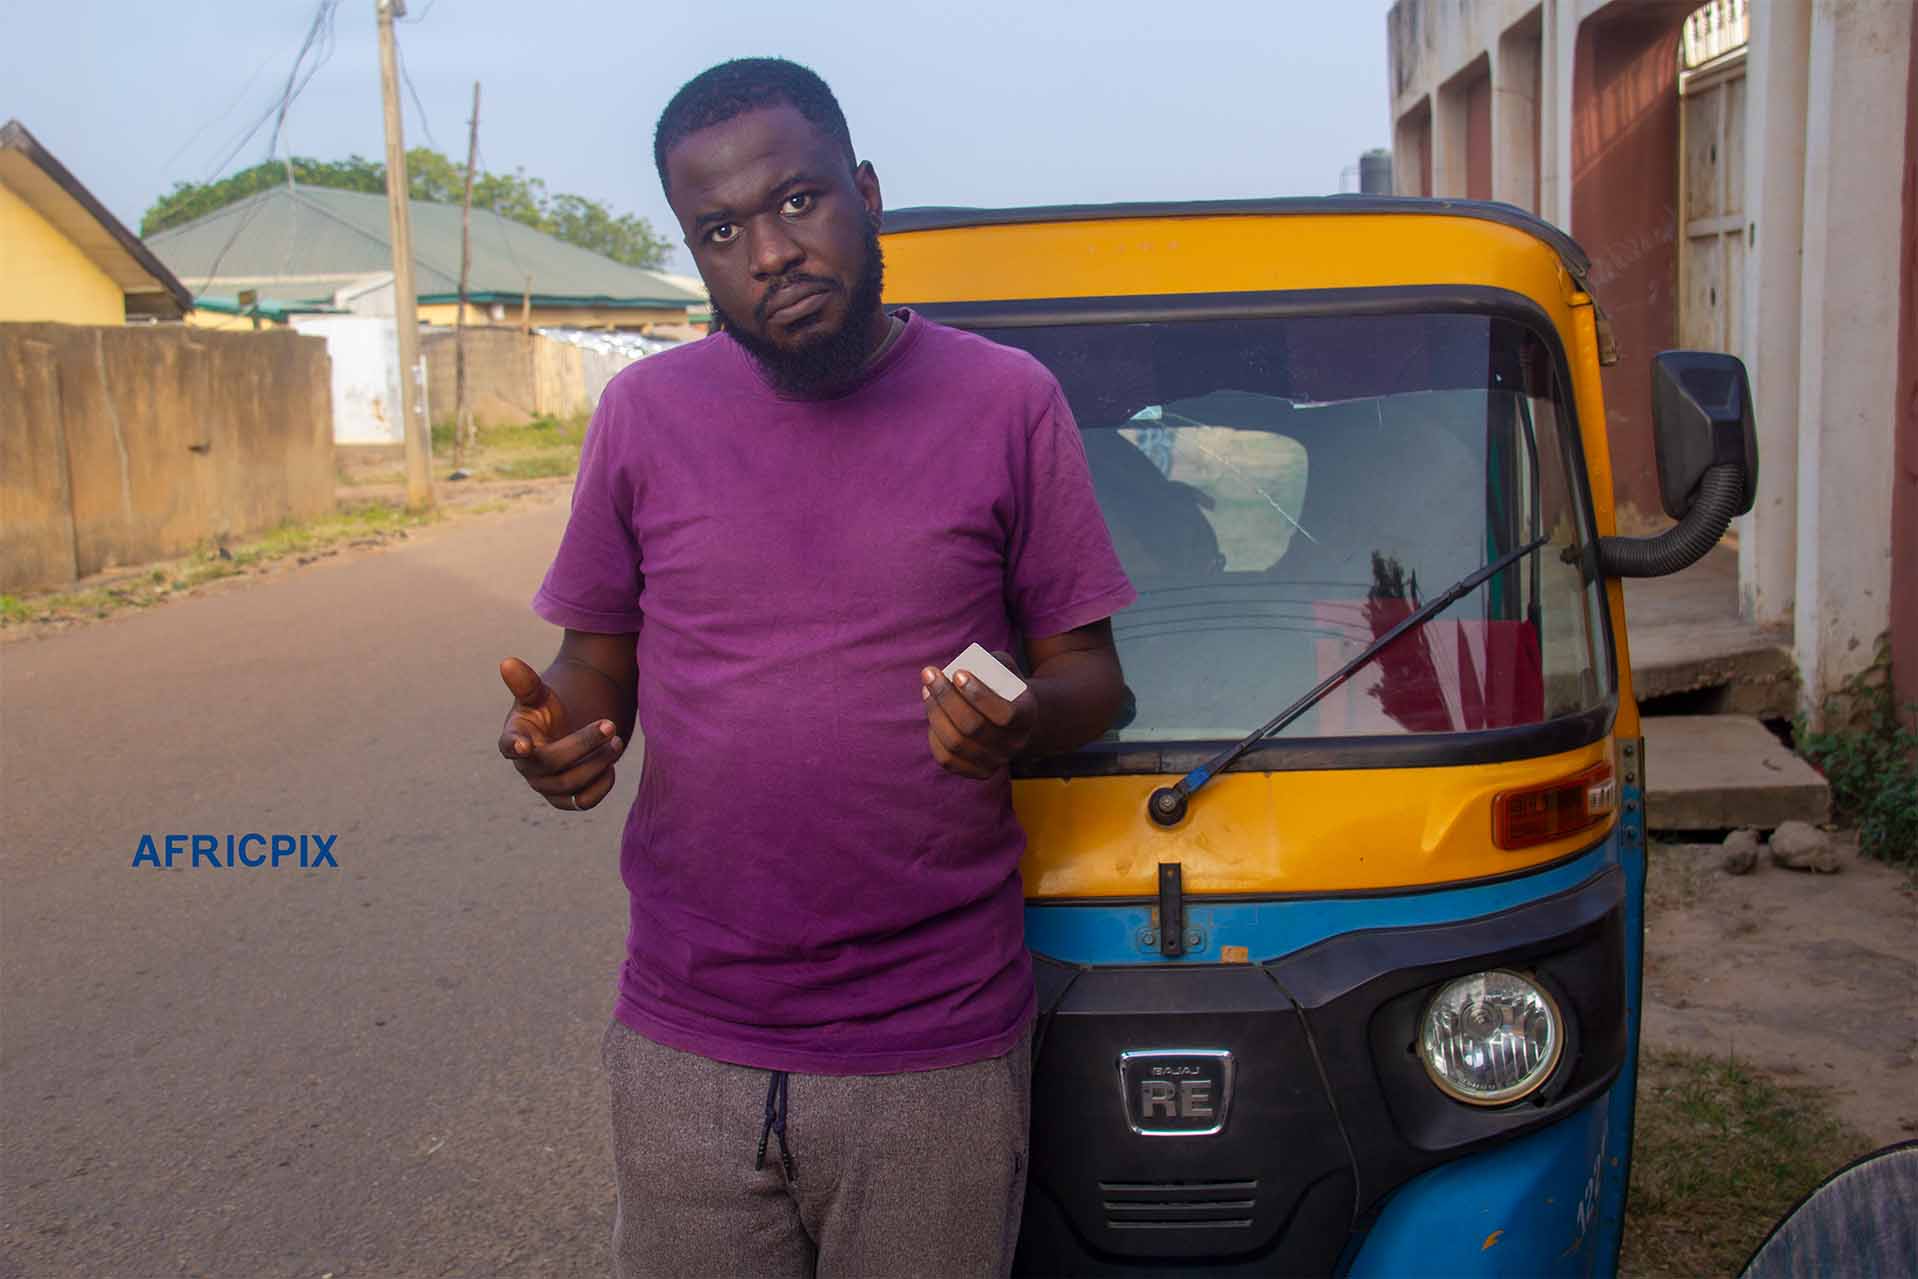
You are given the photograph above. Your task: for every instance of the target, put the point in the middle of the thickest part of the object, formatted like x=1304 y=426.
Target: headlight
x=1490 y=1038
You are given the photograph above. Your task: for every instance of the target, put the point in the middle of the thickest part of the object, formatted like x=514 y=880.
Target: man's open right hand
x=571 y=768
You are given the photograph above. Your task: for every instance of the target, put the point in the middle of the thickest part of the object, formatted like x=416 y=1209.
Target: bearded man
x=820 y=1053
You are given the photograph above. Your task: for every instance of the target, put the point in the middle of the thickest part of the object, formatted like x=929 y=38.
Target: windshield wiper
x=1167 y=804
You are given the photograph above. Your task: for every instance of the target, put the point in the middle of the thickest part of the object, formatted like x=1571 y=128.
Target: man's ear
x=866 y=182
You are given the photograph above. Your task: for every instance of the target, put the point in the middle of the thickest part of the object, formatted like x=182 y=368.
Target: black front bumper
x=1330 y=1108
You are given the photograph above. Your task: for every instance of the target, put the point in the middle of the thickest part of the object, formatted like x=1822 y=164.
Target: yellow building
x=63 y=257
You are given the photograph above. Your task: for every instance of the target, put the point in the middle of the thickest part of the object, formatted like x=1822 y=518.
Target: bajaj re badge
x=1176 y=1092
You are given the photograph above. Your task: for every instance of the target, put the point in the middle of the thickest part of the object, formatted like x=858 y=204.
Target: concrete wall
x=123 y=445
x=1466 y=86
x=45 y=276
x=511 y=377
x=553 y=317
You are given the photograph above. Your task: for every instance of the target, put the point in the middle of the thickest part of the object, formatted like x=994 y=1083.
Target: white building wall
x=1826 y=109
x=1431 y=43
x=366 y=376
x=1855 y=91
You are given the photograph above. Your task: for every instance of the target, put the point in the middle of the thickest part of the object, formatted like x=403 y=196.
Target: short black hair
x=730 y=89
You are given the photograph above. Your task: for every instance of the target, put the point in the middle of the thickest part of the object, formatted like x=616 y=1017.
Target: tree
x=430 y=177
x=623 y=238
x=189 y=200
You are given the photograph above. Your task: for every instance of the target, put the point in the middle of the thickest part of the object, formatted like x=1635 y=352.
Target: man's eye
x=723 y=233
x=799 y=202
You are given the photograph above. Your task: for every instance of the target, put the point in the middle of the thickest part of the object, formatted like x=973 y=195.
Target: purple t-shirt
x=810 y=890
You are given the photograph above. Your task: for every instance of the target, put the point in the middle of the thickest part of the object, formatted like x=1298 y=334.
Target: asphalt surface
x=389 y=1068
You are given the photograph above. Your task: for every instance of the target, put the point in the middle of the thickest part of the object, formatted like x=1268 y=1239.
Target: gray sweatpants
x=920 y=1173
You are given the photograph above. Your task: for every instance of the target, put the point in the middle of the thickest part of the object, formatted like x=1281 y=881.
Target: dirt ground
x=1807 y=978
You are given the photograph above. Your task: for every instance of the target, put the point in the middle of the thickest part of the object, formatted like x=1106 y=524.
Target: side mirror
x=1701 y=417
x=1707 y=462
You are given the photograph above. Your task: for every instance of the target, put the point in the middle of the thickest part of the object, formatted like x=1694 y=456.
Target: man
x=820 y=1053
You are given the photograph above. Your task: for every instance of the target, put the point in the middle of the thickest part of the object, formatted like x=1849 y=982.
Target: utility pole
x=418 y=436
x=462 y=416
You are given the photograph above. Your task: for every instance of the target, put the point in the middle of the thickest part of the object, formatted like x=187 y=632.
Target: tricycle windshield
x=1282 y=490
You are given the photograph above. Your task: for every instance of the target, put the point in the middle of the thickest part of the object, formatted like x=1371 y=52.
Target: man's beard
x=823 y=359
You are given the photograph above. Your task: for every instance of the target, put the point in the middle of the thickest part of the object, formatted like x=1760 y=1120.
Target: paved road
x=391 y=1068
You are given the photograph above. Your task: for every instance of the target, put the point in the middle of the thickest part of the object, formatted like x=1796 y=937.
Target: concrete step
x=1750 y=668
x=1716 y=772
x=1687 y=638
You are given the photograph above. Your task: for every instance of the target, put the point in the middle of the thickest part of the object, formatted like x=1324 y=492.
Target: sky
x=977 y=102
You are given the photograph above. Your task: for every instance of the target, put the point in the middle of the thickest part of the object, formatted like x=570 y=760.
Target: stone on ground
x=1802 y=846
x=1740 y=853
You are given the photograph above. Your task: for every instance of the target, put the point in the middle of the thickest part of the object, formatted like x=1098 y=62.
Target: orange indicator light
x=1541 y=814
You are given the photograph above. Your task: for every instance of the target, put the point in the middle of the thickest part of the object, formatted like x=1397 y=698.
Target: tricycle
x=1338 y=932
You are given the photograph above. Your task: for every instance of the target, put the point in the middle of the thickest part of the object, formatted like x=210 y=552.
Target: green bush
x=1868 y=751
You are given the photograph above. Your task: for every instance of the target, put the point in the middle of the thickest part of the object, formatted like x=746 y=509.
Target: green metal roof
x=315 y=231
x=271 y=304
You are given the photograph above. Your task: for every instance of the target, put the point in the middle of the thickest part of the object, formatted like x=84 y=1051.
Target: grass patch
x=543 y=447
x=539 y=467
x=365 y=522
x=1720 y=1154
x=1868 y=751
x=539 y=449
x=539 y=434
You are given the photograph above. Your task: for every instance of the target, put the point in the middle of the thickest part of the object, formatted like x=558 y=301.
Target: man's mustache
x=777 y=295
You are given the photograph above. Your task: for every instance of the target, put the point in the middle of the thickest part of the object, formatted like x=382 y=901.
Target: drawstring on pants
x=776 y=1123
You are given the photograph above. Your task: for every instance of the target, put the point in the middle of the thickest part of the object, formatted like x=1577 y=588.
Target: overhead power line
x=319 y=33
x=319 y=36
x=238 y=98
x=418 y=106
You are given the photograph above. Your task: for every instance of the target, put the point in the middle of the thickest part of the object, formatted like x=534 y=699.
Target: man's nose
x=774 y=251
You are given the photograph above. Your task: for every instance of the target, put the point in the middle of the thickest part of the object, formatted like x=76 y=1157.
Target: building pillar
x=1516 y=115
x=1775 y=70
x=1559 y=19
x=1448 y=141
x=1856 y=100
x=1412 y=151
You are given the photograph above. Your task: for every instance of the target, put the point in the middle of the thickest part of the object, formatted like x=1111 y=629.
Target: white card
x=989 y=671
